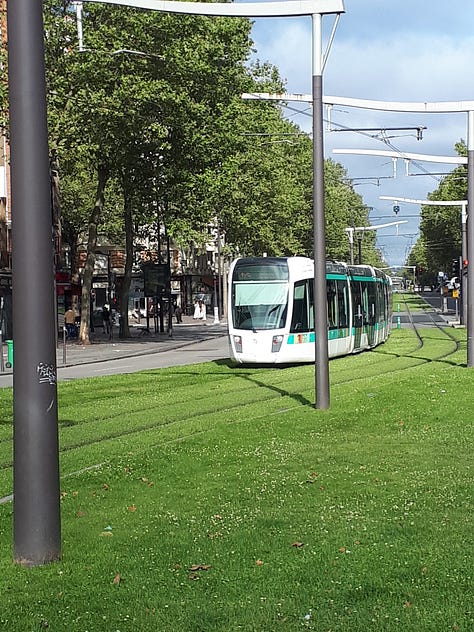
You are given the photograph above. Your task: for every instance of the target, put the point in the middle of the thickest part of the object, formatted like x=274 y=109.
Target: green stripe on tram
x=335 y=334
x=338 y=277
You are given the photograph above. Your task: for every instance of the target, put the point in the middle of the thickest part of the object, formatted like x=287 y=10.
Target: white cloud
x=410 y=69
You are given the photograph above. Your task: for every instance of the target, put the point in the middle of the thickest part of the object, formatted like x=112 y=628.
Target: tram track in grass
x=176 y=413
x=271 y=383
x=113 y=417
x=428 y=314
x=365 y=487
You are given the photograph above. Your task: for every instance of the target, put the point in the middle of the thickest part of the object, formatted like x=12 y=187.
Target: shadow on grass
x=249 y=373
x=423 y=359
x=283 y=392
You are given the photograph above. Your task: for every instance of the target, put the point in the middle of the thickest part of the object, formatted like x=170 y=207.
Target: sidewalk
x=141 y=342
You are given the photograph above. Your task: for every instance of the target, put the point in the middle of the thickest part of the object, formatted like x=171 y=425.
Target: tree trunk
x=124 y=331
x=103 y=175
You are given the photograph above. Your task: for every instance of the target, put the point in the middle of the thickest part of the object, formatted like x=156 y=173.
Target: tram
x=271 y=309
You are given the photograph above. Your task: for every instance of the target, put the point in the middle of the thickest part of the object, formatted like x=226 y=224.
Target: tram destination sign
x=268 y=269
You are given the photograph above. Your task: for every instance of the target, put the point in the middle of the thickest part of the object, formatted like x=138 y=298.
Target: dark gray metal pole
x=350 y=233
x=359 y=239
x=461 y=266
x=470 y=239
x=319 y=228
x=37 y=529
x=219 y=274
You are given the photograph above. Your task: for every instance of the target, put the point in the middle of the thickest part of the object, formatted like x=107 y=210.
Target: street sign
x=156 y=279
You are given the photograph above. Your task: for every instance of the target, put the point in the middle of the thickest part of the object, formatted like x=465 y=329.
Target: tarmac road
x=191 y=342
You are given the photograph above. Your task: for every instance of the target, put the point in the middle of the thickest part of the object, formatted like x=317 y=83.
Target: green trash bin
x=9 y=344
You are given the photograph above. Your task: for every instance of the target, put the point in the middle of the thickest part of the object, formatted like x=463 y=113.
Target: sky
x=388 y=50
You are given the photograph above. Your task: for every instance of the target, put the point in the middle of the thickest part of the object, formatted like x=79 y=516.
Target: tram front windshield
x=258 y=305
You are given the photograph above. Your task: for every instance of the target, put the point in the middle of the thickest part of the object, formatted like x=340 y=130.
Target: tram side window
x=332 y=304
x=365 y=301
x=387 y=301
x=378 y=303
x=342 y=303
x=372 y=300
x=357 y=311
x=302 y=318
x=338 y=308
x=381 y=309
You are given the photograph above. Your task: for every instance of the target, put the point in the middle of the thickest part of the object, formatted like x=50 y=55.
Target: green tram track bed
x=354 y=518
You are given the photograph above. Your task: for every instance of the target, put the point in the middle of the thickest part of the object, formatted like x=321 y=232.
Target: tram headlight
x=276 y=343
x=238 y=344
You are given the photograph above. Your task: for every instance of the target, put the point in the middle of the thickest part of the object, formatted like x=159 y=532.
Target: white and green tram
x=271 y=309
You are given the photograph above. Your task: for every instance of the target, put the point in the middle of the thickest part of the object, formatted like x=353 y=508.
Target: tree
x=440 y=226
x=107 y=108
x=168 y=127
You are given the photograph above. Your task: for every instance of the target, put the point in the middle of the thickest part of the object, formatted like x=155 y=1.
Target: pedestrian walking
x=197 y=310
x=178 y=312
x=70 y=322
x=106 y=319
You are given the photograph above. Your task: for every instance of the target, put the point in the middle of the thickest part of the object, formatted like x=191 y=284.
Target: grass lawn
x=210 y=498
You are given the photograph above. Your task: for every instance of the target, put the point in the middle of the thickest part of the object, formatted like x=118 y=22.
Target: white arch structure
x=245 y=9
x=447 y=160
x=361 y=229
x=426 y=108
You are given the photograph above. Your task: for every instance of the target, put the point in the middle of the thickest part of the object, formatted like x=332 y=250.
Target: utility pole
x=36 y=521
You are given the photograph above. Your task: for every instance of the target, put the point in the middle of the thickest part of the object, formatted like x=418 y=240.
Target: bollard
x=398 y=307
x=398 y=322
x=9 y=363
x=2 y=368
x=64 y=344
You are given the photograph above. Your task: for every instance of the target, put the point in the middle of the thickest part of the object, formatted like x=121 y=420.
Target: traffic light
x=455 y=267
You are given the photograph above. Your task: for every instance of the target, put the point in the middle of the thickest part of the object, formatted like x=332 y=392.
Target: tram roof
x=361 y=270
x=336 y=267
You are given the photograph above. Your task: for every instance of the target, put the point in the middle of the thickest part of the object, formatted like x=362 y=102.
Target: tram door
x=357 y=313
x=371 y=292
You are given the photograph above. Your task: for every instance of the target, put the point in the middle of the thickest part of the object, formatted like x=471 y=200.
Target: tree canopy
x=440 y=227
x=149 y=129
